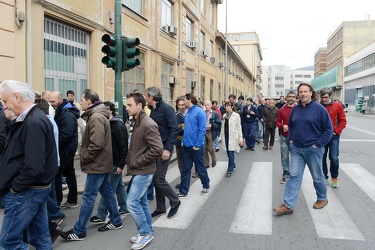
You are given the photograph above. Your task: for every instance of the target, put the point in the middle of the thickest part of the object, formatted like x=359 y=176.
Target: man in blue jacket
x=66 y=118
x=249 y=115
x=193 y=146
x=28 y=166
x=310 y=128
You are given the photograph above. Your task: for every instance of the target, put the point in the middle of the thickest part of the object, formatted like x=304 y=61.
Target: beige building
x=247 y=45
x=56 y=45
x=349 y=38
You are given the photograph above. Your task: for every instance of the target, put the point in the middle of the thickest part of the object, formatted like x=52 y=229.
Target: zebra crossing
x=254 y=214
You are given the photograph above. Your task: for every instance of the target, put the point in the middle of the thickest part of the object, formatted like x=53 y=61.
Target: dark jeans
x=190 y=156
x=67 y=169
x=230 y=155
x=250 y=133
x=332 y=149
x=162 y=187
x=268 y=132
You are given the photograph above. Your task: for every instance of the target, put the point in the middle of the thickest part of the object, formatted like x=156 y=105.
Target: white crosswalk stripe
x=332 y=221
x=253 y=215
x=187 y=212
x=254 y=211
x=363 y=178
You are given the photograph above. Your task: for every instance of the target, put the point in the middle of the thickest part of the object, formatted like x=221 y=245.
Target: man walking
x=213 y=126
x=96 y=161
x=338 y=119
x=269 y=118
x=310 y=129
x=144 y=149
x=193 y=146
x=66 y=116
x=249 y=115
x=164 y=116
x=282 y=121
x=28 y=166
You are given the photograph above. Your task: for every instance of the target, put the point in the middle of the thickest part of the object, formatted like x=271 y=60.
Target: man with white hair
x=28 y=166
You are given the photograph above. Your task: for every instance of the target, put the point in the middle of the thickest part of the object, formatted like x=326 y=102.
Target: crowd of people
x=40 y=136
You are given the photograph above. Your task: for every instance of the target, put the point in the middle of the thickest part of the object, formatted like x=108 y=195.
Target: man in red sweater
x=338 y=118
x=282 y=123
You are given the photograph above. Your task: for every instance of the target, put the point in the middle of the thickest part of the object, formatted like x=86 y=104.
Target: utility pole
x=119 y=55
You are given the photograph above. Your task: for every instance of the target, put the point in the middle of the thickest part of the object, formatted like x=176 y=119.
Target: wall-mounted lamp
x=21 y=17
x=111 y=17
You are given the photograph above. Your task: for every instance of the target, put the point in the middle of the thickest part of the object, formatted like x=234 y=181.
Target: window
x=167 y=89
x=189 y=30
x=189 y=79
x=212 y=13
x=203 y=83
x=211 y=48
x=135 y=78
x=135 y=5
x=166 y=13
x=202 y=6
x=201 y=41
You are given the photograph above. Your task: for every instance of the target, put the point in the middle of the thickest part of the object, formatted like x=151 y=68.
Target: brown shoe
x=283 y=210
x=319 y=204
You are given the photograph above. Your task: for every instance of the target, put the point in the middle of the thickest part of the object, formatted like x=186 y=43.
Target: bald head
x=208 y=105
x=55 y=99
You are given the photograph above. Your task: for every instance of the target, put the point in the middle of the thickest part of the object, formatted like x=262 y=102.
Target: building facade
x=349 y=38
x=56 y=45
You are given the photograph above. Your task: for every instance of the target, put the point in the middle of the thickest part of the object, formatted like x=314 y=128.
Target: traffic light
x=130 y=51
x=110 y=50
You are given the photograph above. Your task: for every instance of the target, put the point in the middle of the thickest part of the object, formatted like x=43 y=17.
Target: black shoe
x=214 y=164
x=70 y=235
x=157 y=213
x=265 y=148
x=173 y=210
x=177 y=186
x=257 y=141
x=207 y=166
x=247 y=148
x=252 y=149
x=228 y=175
x=110 y=226
x=96 y=220
x=123 y=212
x=217 y=150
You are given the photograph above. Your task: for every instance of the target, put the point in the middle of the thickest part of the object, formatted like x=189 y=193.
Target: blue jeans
x=260 y=130
x=26 y=210
x=230 y=155
x=150 y=192
x=299 y=158
x=137 y=203
x=285 y=150
x=333 y=148
x=96 y=183
x=189 y=155
x=216 y=142
x=54 y=211
x=249 y=131
x=118 y=187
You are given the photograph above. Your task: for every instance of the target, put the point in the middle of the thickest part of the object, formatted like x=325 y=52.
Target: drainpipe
x=29 y=49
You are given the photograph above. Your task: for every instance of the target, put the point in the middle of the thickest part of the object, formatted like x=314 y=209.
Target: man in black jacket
x=28 y=165
x=66 y=117
x=164 y=116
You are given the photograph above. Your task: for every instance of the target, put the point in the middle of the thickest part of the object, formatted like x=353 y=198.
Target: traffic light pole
x=118 y=72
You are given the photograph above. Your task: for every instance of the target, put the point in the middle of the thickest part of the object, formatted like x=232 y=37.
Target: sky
x=291 y=31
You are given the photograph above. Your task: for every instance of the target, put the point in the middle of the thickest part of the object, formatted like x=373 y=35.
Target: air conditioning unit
x=212 y=59
x=192 y=44
x=172 y=30
x=172 y=80
x=221 y=65
x=204 y=54
x=193 y=84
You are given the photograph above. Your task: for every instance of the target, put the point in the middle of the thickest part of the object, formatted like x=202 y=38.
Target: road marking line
x=363 y=178
x=194 y=202
x=254 y=213
x=331 y=222
x=360 y=130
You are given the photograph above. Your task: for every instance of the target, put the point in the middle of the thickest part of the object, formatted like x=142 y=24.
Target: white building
x=300 y=75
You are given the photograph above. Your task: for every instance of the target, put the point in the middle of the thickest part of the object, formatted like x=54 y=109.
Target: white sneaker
x=205 y=191
x=134 y=238
x=142 y=241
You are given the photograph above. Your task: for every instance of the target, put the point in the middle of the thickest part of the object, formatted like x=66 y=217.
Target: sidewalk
x=81 y=177
x=356 y=113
